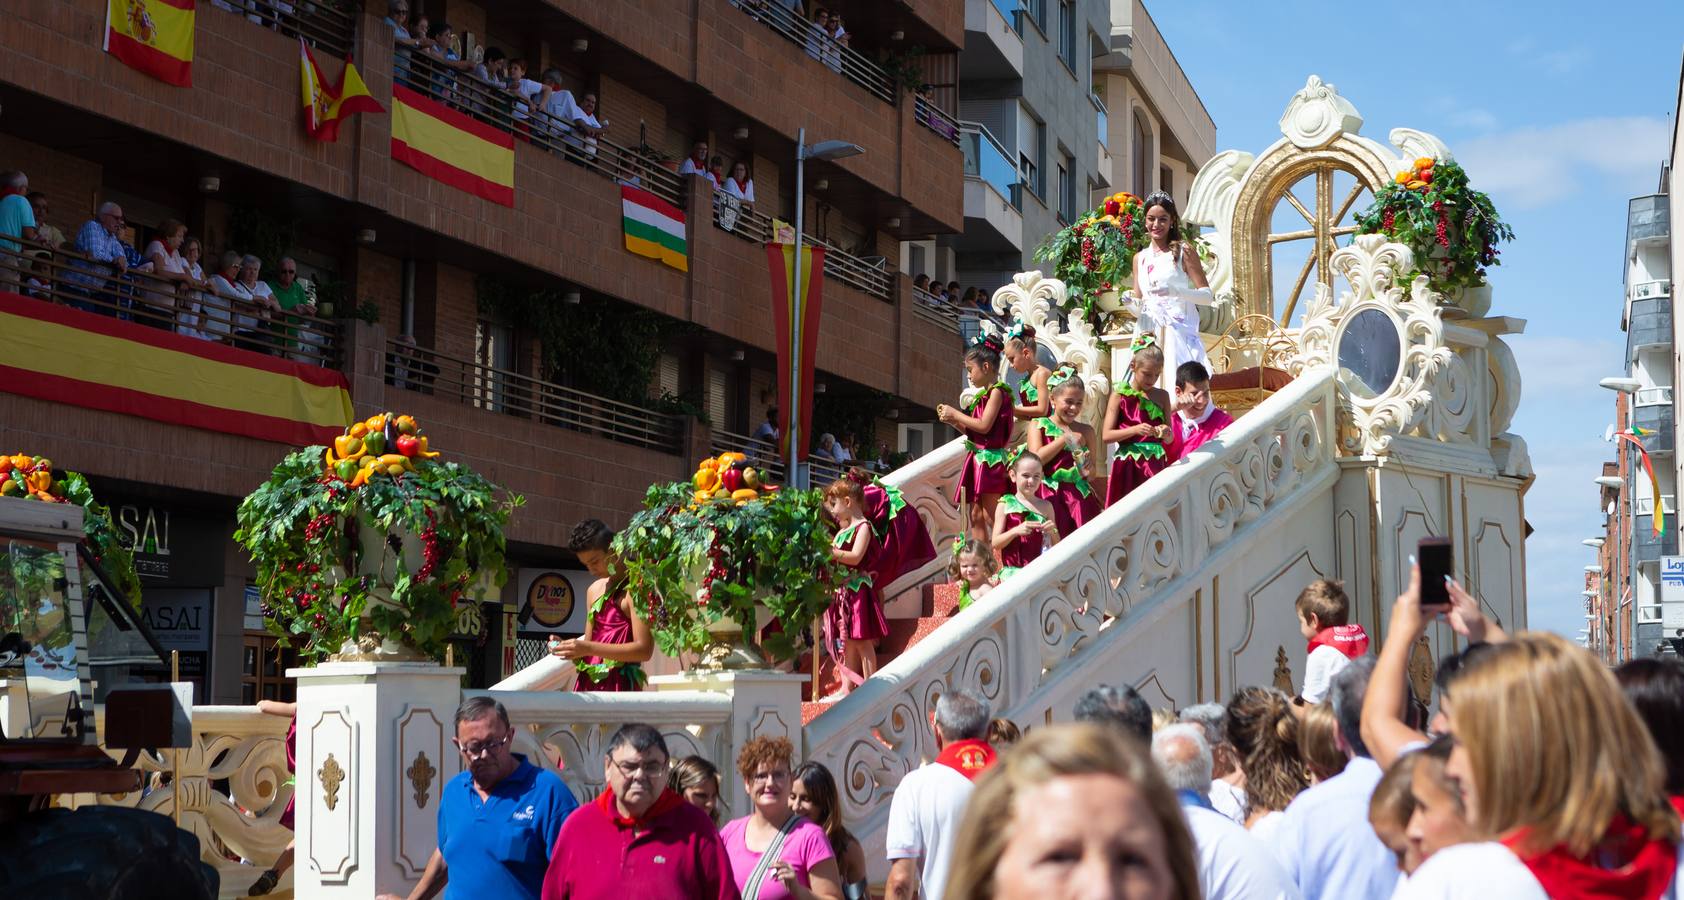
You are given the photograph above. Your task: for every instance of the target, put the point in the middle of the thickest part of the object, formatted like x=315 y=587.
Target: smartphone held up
x=1437 y=564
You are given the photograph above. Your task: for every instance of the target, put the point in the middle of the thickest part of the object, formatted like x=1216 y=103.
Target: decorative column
x=374 y=754
x=763 y=702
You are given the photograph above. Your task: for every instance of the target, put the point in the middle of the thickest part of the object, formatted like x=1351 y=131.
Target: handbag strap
x=751 y=888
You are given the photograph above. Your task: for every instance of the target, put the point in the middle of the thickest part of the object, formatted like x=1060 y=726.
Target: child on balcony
x=1063 y=443
x=987 y=428
x=1023 y=525
x=1137 y=419
x=855 y=618
x=972 y=568
x=616 y=638
x=1032 y=400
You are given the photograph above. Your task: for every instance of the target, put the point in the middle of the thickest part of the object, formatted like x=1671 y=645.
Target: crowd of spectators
x=164 y=286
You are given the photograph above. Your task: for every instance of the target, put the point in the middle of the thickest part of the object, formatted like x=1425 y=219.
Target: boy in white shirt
x=1323 y=610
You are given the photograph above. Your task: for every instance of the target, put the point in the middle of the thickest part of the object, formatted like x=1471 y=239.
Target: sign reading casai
x=146 y=532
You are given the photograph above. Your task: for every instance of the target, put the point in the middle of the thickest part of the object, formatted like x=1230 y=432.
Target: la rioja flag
x=153 y=36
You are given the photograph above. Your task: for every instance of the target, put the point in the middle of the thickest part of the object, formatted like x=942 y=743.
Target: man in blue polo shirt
x=498 y=819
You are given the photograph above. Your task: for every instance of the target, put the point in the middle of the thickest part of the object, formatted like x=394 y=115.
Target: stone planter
x=378 y=554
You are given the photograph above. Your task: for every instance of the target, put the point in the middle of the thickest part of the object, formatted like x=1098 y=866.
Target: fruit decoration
x=373 y=539
x=727 y=548
x=26 y=477
x=1095 y=254
x=728 y=476
x=1452 y=228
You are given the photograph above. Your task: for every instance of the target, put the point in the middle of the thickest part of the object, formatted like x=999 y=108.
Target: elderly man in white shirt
x=1233 y=865
x=1324 y=840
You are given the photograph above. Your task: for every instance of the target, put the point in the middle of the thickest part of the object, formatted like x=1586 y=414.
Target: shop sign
x=552 y=601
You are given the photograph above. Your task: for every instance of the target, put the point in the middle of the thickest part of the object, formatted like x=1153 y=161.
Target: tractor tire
x=107 y=852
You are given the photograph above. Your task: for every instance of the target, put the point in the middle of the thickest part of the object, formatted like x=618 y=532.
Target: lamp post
x=822 y=150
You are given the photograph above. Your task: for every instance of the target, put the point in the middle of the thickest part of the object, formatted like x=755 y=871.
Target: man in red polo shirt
x=639 y=840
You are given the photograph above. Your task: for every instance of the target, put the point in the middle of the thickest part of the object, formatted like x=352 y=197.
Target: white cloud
x=1533 y=167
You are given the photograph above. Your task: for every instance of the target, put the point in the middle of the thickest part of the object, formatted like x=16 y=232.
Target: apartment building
x=612 y=371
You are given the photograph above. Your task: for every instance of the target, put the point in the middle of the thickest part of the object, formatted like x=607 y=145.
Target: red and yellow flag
x=795 y=374
x=152 y=36
x=444 y=144
x=80 y=359
x=326 y=104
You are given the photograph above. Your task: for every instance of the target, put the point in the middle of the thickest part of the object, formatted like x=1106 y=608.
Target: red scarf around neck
x=969 y=758
x=667 y=802
x=1350 y=640
x=1646 y=868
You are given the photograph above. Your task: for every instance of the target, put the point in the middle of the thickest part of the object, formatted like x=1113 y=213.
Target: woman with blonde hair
x=1318 y=743
x=1264 y=731
x=1073 y=811
x=1560 y=777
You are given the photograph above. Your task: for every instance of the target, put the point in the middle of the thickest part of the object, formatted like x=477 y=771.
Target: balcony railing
x=329 y=25
x=933 y=117
x=837 y=57
x=986 y=158
x=511 y=393
x=1654 y=396
x=1644 y=504
x=869 y=275
x=1104 y=118
x=507 y=111
x=1645 y=290
x=68 y=278
x=768 y=457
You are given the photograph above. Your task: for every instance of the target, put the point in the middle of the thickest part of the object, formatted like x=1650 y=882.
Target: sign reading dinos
x=552 y=601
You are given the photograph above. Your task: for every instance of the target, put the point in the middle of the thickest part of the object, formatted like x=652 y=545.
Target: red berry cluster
x=1128 y=223
x=314 y=528
x=1441 y=230
x=430 y=553
x=1087 y=253
x=1387 y=218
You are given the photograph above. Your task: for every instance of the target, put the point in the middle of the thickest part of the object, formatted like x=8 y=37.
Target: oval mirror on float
x=1371 y=351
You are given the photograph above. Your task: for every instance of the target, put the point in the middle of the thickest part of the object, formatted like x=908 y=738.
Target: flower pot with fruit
x=1452 y=229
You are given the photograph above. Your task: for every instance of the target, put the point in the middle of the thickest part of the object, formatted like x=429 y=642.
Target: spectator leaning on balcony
x=194 y=318
x=169 y=268
x=838 y=39
x=818 y=34
x=740 y=185
x=294 y=300
x=697 y=163
x=107 y=257
x=44 y=233
x=405 y=42
x=493 y=67
x=557 y=104
x=525 y=90
x=17 y=220
x=441 y=40
x=586 y=126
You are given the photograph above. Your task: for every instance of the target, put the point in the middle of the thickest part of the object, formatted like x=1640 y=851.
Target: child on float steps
x=1023 y=523
x=1323 y=610
x=855 y=618
x=1019 y=353
x=1197 y=419
x=1065 y=445
x=616 y=639
x=1137 y=420
x=986 y=424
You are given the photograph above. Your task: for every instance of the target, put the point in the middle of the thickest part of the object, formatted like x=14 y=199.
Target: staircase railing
x=1025 y=645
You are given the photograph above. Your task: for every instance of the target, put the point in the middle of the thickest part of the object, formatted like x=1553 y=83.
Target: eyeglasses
x=289 y=271
x=774 y=776
x=475 y=751
x=650 y=769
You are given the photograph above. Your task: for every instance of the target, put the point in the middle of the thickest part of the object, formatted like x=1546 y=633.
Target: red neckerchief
x=742 y=186
x=1647 y=872
x=7 y=192
x=1350 y=640
x=667 y=802
x=969 y=758
x=1677 y=802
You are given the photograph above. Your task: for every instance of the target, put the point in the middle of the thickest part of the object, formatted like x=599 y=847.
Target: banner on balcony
x=446 y=145
x=654 y=227
x=325 y=105
x=152 y=36
x=798 y=336
x=80 y=359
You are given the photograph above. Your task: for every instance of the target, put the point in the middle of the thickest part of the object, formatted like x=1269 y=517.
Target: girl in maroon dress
x=616 y=638
x=1023 y=526
x=986 y=424
x=904 y=542
x=855 y=618
x=1065 y=445
x=972 y=569
x=1019 y=353
x=1137 y=419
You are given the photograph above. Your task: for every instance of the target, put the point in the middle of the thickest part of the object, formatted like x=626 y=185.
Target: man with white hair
x=17 y=220
x=1233 y=865
x=929 y=802
x=1227 y=785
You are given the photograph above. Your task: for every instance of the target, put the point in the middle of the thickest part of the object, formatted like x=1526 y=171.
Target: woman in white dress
x=1169 y=286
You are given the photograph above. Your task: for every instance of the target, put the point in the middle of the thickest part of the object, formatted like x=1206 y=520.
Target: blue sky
x=1561 y=112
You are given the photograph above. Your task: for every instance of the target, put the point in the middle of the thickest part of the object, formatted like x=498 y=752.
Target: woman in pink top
x=776 y=854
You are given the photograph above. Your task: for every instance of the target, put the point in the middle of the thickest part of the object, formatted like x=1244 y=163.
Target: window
x=1066 y=189
x=1140 y=150
x=1166 y=180
x=1031 y=152
x=494 y=348
x=1067 y=33
x=1036 y=10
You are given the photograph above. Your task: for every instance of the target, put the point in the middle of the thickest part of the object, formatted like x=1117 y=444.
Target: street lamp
x=1620 y=383
x=1610 y=481
x=1594 y=570
x=1593 y=542
x=803 y=152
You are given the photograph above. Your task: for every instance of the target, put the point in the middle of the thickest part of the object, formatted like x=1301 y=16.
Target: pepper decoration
x=26 y=477
x=728 y=476
x=382 y=445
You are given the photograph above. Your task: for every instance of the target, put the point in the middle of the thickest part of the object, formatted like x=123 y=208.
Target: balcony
x=1656 y=416
x=1648 y=324
x=1645 y=546
x=324 y=26
x=839 y=58
x=993 y=48
x=992 y=222
x=868 y=274
x=1648 y=219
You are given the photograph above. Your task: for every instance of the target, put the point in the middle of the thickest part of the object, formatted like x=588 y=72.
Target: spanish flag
x=152 y=36
x=444 y=144
x=797 y=325
x=326 y=104
x=81 y=360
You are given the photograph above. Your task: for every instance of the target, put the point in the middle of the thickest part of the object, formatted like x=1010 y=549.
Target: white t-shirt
x=924 y=820
x=1228 y=800
x=1487 y=871
x=1264 y=829
x=1233 y=863
x=689 y=167
x=743 y=192
x=1324 y=841
x=527 y=89
x=1323 y=663
x=173 y=264
x=236 y=295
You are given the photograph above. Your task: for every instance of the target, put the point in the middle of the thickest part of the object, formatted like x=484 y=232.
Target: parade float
x=714 y=563
x=367 y=548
